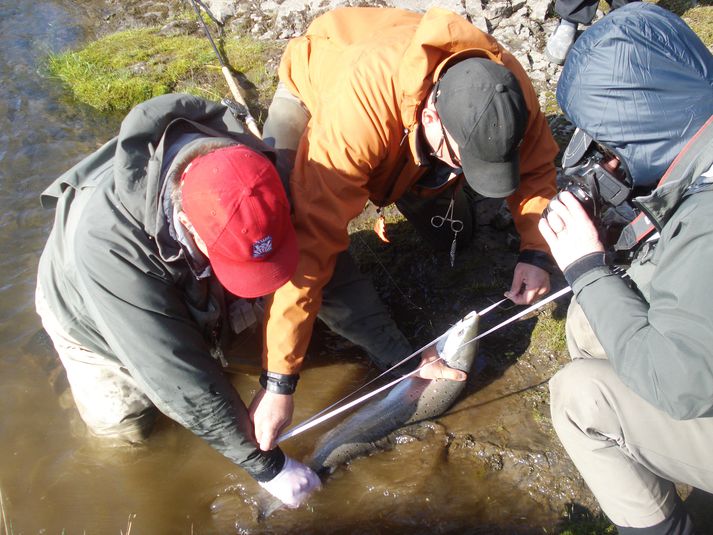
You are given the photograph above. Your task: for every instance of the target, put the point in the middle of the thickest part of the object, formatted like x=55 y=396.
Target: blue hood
x=640 y=82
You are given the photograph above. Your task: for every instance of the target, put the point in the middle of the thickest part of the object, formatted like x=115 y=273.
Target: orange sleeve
x=537 y=167
x=344 y=141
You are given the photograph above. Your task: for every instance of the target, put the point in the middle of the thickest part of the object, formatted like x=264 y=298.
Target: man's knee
x=579 y=394
x=109 y=401
x=582 y=343
x=132 y=429
x=287 y=118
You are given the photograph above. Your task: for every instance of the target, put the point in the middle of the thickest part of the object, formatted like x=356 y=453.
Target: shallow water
x=54 y=478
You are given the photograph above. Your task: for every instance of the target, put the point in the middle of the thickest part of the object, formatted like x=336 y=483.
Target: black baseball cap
x=481 y=105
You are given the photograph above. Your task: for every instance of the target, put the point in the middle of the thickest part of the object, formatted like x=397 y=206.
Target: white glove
x=293 y=484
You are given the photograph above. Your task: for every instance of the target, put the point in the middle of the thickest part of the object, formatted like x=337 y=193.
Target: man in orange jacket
x=391 y=106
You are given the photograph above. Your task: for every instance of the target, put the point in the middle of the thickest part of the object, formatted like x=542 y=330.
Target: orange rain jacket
x=363 y=74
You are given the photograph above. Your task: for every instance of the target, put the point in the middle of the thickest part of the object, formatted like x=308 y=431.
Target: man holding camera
x=634 y=408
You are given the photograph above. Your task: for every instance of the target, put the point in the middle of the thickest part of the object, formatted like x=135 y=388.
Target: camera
x=593 y=185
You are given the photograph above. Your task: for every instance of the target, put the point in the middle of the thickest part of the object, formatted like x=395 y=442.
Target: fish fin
x=267 y=504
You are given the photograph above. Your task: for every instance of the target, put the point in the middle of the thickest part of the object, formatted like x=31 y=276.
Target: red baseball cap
x=236 y=203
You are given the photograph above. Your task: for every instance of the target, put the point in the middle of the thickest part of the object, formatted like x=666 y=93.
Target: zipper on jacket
x=404 y=138
x=215 y=350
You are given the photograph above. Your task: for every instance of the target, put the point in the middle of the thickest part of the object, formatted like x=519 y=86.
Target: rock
x=539 y=9
x=422 y=5
x=222 y=9
x=179 y=27
x=474 y=12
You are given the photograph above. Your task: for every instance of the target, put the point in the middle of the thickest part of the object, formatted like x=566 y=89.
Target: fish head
x=458 y=347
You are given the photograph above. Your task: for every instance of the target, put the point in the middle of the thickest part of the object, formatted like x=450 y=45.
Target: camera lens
x=580 y=194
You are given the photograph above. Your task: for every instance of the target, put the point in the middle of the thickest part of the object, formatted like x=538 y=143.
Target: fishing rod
x=327 y=413
x=239 y=107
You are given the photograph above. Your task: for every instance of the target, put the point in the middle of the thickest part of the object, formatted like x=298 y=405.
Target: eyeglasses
x=444 y=137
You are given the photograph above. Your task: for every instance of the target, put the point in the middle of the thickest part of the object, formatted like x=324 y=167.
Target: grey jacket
x=121 y=284
x=654 y=109
x=659 y=334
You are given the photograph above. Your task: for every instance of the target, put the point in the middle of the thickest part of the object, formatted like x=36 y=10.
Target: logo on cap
x=262 y=247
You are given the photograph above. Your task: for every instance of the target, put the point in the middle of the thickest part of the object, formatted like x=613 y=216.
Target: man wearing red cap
x=390 y=106
x=149 y=232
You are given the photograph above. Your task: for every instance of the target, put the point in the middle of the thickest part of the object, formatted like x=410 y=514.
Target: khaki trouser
x=628 y=451
x=107 y=397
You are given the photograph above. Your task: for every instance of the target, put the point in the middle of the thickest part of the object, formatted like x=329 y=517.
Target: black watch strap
x=279 y=383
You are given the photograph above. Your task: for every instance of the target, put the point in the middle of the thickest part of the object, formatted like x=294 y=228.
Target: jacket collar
x=436 y=43
x=172 y=240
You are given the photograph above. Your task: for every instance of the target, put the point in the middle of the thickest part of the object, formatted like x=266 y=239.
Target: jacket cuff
x=272 y=463
x=279 y=383
x=584 y=265
x=539 y=259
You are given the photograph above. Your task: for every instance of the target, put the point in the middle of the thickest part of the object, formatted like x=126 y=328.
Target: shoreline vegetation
x=121 y=69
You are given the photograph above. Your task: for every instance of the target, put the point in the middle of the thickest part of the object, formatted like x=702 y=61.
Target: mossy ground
x=118 y=71
x=700 y=19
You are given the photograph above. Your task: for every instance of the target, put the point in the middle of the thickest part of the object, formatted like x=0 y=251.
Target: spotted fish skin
x=410 y=401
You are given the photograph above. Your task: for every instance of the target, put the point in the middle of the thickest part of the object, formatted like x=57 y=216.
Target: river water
x=54 y=478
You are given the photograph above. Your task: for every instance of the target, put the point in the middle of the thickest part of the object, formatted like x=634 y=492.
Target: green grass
x=549 y=332
x=590 y=527
x=125 y=68
x=700 y=19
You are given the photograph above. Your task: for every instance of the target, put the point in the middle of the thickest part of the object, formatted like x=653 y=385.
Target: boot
x=677 y=523
x=560 y=42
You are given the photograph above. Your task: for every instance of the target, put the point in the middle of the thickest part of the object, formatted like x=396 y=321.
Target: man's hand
x=270 y=414
x=528 y=283
x=569 y=231
x=439 y=369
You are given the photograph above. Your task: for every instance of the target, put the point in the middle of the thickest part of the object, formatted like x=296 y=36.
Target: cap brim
x=258 y=278
x=491 y=179
x=576 y=148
